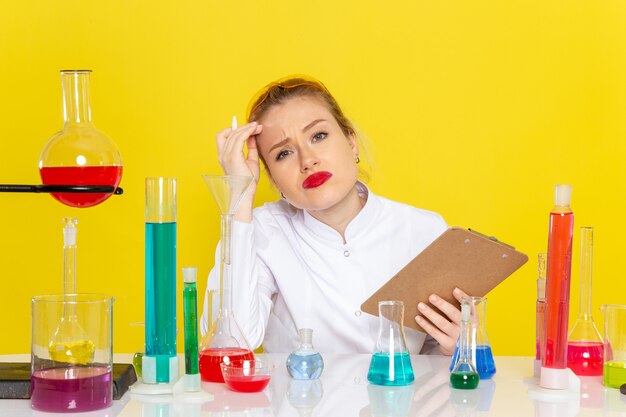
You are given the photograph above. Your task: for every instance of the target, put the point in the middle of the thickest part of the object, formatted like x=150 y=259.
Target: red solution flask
x=585 y=349
x=554 y=373
x=79 y=154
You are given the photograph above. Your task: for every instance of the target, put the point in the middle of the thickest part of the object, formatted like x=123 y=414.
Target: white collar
x=356 y=226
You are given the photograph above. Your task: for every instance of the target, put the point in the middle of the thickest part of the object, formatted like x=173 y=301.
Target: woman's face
x=308 y=157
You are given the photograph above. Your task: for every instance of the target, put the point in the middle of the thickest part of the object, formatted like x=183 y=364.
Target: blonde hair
x=285 y=89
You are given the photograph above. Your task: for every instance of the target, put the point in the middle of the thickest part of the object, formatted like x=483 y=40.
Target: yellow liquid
x=79 y=352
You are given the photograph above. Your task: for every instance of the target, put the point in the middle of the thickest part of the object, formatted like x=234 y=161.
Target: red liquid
x=91 y=175
x=71 y=389
x=585 y=358
x=211 y=359
x=242 y=383
x=557 y=289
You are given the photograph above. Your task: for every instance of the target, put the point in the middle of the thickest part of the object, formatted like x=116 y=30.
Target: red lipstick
x=316 y=179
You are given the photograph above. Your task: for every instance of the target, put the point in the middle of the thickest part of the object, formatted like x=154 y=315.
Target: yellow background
x=471 y=109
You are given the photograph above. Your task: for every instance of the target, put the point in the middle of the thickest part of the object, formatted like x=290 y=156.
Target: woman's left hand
x=444 y=329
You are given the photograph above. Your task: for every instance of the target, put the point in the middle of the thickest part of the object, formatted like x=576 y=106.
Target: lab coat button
x=357 y=313
x=346 y=253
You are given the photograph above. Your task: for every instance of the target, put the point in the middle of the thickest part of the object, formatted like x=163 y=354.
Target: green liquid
x=614 y=374
x=190 y=307
x=389 y=370
x=464 y=380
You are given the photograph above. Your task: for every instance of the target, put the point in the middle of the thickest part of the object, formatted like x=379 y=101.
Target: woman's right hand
x=230 y=154
x=230 y=150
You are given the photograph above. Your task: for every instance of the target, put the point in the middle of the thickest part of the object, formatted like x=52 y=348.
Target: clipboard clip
x=493 y=238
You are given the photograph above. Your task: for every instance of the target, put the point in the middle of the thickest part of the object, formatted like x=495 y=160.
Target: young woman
x=313 y=257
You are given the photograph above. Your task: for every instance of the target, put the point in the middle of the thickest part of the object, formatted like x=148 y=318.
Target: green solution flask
x=464 y=375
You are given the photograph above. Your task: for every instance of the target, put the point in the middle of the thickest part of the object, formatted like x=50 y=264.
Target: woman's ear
x=353 y=143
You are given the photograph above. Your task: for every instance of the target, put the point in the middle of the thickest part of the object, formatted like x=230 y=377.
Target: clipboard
x=457 y=258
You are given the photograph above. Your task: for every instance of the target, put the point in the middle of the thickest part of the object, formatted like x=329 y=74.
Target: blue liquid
x=485 y=365
x=305 y=366
x=381 y=366
x=161 y=296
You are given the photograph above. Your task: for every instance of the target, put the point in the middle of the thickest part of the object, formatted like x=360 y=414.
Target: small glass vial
x=305 y=362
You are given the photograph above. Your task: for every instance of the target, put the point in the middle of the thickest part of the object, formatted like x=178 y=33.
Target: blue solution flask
x=481 y=351
x=391 y=363
x=305 y=362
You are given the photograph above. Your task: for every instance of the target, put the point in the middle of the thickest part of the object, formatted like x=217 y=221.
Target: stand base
x=559 y=379
x=142 y=388
x=556 y=402
x=149 y=366
x=187 y=383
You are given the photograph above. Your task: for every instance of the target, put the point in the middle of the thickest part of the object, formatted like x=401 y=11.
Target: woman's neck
x=341 y=214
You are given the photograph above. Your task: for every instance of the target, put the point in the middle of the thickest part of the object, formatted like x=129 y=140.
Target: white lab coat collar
x=358 y=225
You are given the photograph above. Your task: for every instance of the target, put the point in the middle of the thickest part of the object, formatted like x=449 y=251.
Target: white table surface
x=343 y=391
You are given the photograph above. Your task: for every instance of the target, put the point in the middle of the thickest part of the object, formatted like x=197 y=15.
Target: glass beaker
x=224 y=342
x=391 y=363
x=585 y=350
x=481 y=351
x=159 y=364
x=60 y=386
x=79 y=154
x=614 y=345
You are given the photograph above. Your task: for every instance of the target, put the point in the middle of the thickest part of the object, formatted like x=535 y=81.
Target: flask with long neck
x=79 y=154
x=585 y=350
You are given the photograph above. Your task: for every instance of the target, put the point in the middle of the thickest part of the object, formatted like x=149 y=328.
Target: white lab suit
x=292 y=271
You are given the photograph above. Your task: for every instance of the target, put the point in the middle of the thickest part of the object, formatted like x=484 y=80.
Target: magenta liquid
x=585 y=358
x=74 y=389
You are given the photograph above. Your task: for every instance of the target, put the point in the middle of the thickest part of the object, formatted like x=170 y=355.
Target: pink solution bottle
x=554 y=372
x=585 y=348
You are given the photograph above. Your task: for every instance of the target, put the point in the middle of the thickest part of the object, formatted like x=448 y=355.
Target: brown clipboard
x=459 y=258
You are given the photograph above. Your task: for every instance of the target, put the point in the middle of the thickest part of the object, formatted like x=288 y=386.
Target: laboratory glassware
x=585 y=350
x=614 y=345
x=60 y=386
x=554 y=373
x=247 y=375
x=540 y=313
x=70 y=343
x=80 y=154
x=464 y=375
x=480 y=349
x=391 y=363
x=305 y=362
x=159 y=363
x=190 y=316
x=224 y=342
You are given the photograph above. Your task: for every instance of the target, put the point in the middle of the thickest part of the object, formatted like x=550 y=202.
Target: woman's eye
x=281 y=155
x=320 y=136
